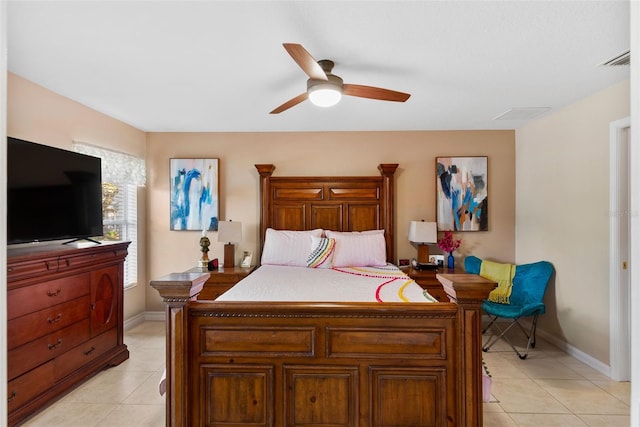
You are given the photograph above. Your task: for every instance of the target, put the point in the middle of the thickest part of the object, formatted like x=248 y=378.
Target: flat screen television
x=52 y=194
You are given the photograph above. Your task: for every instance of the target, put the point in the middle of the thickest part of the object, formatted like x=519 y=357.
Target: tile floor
x=549 y=388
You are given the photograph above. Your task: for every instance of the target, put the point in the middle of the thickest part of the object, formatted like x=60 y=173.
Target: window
x=122 y=174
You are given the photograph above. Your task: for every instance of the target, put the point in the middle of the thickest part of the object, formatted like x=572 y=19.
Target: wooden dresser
x=64 y=320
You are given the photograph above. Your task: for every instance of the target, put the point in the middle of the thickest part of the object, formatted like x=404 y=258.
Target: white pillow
x=322 y=250
x=359 y=249
x=287 y=247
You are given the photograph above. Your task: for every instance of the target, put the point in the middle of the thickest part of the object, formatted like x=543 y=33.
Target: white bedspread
x=352 y=284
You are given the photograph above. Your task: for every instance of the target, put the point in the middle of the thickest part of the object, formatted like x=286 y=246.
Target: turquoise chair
x=526 y=300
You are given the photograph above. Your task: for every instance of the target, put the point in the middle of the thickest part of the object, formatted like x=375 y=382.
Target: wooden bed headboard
x=340 y=203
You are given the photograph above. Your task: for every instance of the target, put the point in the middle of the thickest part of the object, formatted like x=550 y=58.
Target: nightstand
x=221 y=281
x=427 y=280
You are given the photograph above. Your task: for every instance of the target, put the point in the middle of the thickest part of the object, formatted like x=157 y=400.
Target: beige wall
x=39 y=115
x=322 y=153
x=563 y=214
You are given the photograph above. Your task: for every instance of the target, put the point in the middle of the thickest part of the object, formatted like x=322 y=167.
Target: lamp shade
x=229 y=231
x=423 y=232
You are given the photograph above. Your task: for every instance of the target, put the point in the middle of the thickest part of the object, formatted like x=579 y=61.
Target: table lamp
x=422 y=233
x=231 y=232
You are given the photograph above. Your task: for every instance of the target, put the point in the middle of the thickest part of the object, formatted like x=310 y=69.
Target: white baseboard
x=147 y=316
x=155 y=316
x=576 y=353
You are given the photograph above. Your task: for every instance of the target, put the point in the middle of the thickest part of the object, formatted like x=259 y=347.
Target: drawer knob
x=13 y=396
x=88 y=352
x=54 y=293
x=55 y=319
x=56 y=345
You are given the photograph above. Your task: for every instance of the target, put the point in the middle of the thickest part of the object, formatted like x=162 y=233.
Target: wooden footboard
x=245 y=364
x=320 y=364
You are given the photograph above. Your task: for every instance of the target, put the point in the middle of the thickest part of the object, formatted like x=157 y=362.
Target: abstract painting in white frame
x=194 y=194
x=462 y=193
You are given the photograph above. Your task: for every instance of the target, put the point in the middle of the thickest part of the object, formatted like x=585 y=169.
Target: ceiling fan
x=326 y=89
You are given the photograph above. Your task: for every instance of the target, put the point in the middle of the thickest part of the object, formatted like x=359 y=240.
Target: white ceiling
x=220 y=65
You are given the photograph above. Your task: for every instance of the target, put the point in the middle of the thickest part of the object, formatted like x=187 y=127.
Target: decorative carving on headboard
x=341 y=203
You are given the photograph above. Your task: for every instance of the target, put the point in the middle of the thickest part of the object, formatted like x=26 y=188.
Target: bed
x=326 y=363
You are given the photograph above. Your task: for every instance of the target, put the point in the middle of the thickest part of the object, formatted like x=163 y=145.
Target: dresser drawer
x=221 y=281
x=26 y=387
x=31 y=268
x=224 y=279
x=81 y=260
x=85 y=352
x=38 y=351
x=35 y=325
x=37 y=297
x=211 y=292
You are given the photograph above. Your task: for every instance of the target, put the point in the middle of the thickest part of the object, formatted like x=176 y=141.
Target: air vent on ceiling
x=522 y=113
x=621 y=59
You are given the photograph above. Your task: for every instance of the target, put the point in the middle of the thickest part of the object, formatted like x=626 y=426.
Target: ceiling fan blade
x=374 y=93
x=290 y=103
x=304 y=59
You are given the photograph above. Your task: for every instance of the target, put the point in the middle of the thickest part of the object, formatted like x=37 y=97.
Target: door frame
x=619 y=295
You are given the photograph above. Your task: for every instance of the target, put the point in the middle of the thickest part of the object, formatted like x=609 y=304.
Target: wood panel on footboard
x=324 y=364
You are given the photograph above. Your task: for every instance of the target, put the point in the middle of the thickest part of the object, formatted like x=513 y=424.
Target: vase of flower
x=449 y=244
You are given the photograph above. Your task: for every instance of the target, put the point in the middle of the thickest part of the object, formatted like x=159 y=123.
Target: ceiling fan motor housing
x=334 y=82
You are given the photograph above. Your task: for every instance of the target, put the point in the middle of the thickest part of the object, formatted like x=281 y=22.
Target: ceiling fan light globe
x=324 y=95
